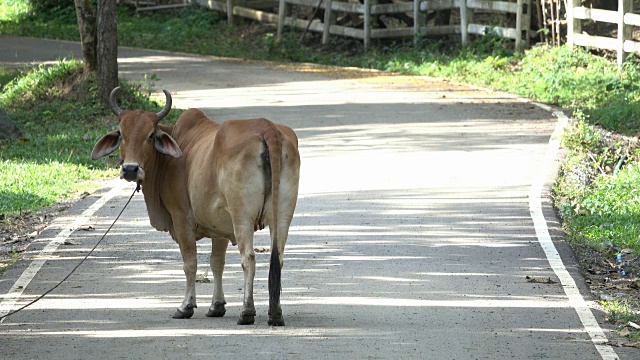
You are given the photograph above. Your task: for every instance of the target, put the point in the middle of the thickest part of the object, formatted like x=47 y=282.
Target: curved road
x=418 y=222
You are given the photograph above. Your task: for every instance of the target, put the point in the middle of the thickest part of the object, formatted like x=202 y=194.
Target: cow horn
x=167 y=106
x=113 y=102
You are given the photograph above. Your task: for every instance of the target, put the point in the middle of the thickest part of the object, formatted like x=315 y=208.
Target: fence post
x=465 y=17
x=418 y=20
x=624 y=31
x=573 y=25
x=329 y=19
x=283 y=11
x=367 y=23
x=523 y=24
x=230 y=5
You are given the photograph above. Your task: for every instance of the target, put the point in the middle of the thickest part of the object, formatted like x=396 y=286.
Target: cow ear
x=106 y=145
x=166 y=145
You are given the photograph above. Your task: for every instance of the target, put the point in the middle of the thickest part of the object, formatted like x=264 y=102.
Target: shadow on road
x=459 y=262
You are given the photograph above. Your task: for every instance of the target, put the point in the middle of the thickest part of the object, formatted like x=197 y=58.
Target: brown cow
x=222 y=181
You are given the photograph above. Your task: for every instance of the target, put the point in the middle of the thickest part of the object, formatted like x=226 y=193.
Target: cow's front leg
x=244 y=235
x=218 y=254
x=188 y=250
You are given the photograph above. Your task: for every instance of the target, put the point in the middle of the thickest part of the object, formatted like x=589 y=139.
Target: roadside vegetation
x=56 y=109
x=597 y=193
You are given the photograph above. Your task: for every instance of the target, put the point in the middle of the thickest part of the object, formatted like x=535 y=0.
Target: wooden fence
x=522 y=9
x=369 y=9
x=151 y=5
x=623 y=44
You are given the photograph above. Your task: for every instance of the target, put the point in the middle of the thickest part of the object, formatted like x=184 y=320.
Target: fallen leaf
x=621 y=286
x=32 y=235
x=70 y=242
x=626 y=251
x=85 y=137
x=624 y=332
x=23 y=140
x=87 y=228
x=633 y=345
x=202 y=279
x=540 y=280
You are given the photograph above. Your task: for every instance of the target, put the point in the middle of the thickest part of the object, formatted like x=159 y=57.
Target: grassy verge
x=56 y=109
x=597 y=193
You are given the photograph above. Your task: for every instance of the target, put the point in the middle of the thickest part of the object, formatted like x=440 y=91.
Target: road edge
x=569 y=285
x=65 y=226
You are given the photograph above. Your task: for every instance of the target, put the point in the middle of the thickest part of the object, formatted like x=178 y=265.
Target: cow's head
x=138 y=136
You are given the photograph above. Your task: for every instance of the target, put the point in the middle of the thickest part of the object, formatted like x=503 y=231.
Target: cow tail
x=274 y=148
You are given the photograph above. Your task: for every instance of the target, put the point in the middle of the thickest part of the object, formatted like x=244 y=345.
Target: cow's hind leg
x=188 y=250
x=244 y=235
x=218 y=254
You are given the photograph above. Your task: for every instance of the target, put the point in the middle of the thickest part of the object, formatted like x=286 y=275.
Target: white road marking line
x=11 y=298
x=576 y=300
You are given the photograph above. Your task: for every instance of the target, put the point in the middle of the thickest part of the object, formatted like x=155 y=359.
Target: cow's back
x=225 y=168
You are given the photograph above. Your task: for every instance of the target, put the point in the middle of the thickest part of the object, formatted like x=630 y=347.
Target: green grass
x=609 y=210
x=597 y=204
x=31 y=185
x=49 y=163
x=6 y=75
x=57 y=110
x=12 y=10
x=597 y=192
x=17 y=18
x=622 y=312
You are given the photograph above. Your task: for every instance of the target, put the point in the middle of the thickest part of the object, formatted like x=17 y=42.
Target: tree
x=107 y=49
x=99 y=39
x=88 y=34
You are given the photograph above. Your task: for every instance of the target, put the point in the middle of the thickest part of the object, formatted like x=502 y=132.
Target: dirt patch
x=18 y=231
x=612 y=273
x=335 y=72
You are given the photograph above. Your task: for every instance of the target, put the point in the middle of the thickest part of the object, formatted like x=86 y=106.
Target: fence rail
x=623 y=44
x=146 y=5
x=370 y=9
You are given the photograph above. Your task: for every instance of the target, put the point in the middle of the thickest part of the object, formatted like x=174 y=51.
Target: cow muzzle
x=131 y=172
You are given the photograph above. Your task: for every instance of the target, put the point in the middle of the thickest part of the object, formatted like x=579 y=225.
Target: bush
x=51 y=6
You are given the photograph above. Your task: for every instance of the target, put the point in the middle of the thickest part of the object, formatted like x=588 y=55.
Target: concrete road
x=418 y=222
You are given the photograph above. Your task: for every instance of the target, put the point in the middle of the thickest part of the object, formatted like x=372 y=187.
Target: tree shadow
x=372 y=273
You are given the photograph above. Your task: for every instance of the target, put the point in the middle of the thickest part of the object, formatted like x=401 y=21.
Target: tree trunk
x=87 y=25
x=107 y=49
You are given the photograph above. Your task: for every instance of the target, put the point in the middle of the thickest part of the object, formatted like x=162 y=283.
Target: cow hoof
x=276 y=321
x=218 y=310
x=247 y=317
x=246 y=320
x=183 y=313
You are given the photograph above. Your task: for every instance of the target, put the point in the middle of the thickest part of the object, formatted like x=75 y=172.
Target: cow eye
x=150 y=137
